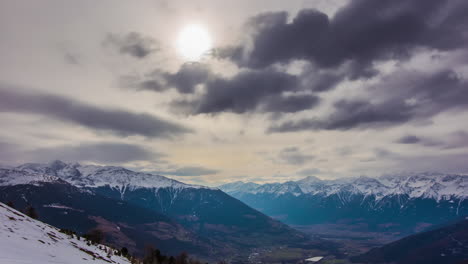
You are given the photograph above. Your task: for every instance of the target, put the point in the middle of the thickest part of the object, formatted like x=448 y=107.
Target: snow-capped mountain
x=416 y=185
x=25 y=240
x=91 y=176
x=216 y=223
x=403 y=201
x=14 y=176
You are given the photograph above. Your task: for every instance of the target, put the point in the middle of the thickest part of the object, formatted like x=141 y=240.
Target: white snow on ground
x=24 y=240
x=314 y=259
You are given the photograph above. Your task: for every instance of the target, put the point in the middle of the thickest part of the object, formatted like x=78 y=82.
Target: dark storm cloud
x=294 y=156
x=339 y=48
x=404 y=96
x=351 y=114
x=290 y=104
x=119 y=122
x=99 y=152
x=189 y=171
x=247 y=91
x=133 y=44
x=364 y=31
x=256 y=90
x=320 y=82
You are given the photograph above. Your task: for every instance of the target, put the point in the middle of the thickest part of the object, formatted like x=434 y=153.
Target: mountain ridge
x=227 y=223
x=416 y=185
x=400 y=204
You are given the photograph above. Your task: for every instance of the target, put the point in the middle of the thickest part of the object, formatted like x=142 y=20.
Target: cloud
x=351 y=114
x=133 y=44
x=266 y=90
x=101 y=152
x=409 y=139
x=309 y=172
x=8 y=152
x=72 y=59
x=190 y=171
x=364 y=31
x=430 y=94
x=94 y=152
x=293 y=156
x=454 y=140
x=449 y=163
x=119 y=122
x=184 y=80
x=248 y=91
x=343 y=47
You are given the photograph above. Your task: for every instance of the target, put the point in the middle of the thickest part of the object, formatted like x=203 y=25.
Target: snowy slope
x=13 y=176
x=24 y=240
x=87 y=176
x=436 y=186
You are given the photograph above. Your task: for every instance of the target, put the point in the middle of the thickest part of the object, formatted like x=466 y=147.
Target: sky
x=285 y=90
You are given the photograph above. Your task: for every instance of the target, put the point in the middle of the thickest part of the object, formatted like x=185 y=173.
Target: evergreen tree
x=96 y=236
x=124 y=251
x=31 y=212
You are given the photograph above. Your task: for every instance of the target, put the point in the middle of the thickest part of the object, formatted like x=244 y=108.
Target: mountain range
x=402 y=202
x=136 y=209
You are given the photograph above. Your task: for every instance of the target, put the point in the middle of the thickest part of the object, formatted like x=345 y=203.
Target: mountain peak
x=88 y=176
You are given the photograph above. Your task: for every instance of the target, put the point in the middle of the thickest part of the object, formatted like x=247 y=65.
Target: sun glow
x=194 y=41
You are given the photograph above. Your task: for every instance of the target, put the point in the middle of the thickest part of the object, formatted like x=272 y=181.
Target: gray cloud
x=8 y=152
x=363 y=32
x=133 y=44
x=458 y=139
x=309 y=172
x=105 y=152
x=90 y=152
x=71 y=58
x=184 y=80
x=450 y=163
x=120 y=122
x=409 y=139
x=190 y=171
x=351 y=114
x=293 y=156
x=250 y=91
x=430 y=94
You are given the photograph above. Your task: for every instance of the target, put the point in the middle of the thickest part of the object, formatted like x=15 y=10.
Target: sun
x=194 y=41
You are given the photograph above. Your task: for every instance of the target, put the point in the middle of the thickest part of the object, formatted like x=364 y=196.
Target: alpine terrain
x=135 y=209
x=403 y=203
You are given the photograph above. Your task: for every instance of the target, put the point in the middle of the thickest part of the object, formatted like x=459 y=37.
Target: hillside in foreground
x=25 y=240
